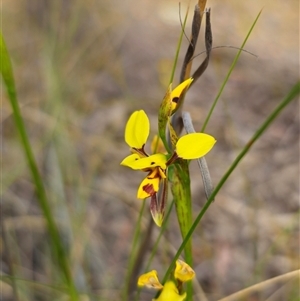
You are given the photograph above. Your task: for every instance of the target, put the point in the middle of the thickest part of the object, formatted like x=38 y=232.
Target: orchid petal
x=170 y=293
x=130 y=159
x=183 y=271
x=148 y=187
x=150 y=280
x=137 y=129
x=176 y=93
x=149 y=162
x=195 y=145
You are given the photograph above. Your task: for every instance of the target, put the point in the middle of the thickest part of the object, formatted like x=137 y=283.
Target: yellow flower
x=178 y=91
x=190 y=146
x=137 y=130
x=150 y=280
x=195 y=145
x=170 y=293
x=150 y=184
x=183 y=272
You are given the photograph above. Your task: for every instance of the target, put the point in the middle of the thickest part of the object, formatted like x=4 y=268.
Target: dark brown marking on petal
x=149 y=189
x=175 y=99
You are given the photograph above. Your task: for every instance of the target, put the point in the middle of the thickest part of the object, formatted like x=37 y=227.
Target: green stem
x=181 y=189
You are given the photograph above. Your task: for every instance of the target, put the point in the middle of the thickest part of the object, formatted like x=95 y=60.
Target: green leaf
x=181 y=190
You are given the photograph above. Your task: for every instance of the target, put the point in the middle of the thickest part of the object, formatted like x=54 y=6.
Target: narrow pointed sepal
x=155 y=209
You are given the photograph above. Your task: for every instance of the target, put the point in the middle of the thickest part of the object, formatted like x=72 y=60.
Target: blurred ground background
x=81 y=68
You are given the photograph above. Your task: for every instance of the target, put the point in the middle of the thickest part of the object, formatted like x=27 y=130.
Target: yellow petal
x=150 y=279
x=170 y=293
x=149 y=162
x=130 y=159
x=143 y=192
x=195 y=145
x=176 y=93
x=137 y=129
x=183 y=271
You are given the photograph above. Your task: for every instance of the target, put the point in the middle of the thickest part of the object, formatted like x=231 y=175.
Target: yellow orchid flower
x=170 y=290
x=170 y=293
x=190 y=146
x=183 y=272
x=150 y=280
x=177 y=92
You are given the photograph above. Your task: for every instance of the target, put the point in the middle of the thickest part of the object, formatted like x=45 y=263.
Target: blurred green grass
x=80 y=69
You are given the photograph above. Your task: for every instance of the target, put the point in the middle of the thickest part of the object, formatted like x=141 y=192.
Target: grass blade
x=56 y=243
x=229 y=73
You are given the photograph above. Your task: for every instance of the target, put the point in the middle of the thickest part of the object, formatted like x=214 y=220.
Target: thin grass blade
x=229 y=73
x=59 y=251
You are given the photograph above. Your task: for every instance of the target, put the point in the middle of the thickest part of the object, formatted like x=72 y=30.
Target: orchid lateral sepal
x=158 y=203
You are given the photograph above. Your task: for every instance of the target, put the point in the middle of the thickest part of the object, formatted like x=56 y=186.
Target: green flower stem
x=290 y=96
x=60 y=253
x=229 y=73
x=181 y=190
